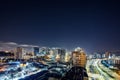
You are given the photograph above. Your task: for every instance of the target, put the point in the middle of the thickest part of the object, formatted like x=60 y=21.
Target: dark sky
x=92 y=25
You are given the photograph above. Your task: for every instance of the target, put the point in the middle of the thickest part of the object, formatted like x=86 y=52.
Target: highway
x=92 y=71
x=104 y=75
x=111 y=74
x=96 y=71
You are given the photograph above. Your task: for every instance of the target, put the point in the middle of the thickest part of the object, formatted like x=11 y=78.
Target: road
x=96 y=71
x=104 y=75
x=108 y=71
x=92 y=71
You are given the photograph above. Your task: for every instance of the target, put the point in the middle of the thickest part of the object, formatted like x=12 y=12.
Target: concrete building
x=5 y=55
x=79 y=58
x=97 y=55
x=36 y=51
x=19 y=53
x=67 y=57
x=60 y=52
x=76 y=73
x=28 y=55
x=107 y=54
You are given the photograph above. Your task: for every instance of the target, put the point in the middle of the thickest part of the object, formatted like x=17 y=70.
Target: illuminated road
x=96 y=71
x=104 y=75
x=112 y=75
x=92 y=71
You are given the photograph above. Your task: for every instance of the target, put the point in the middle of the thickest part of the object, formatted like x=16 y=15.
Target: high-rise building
x=67 y=57
x=19 y=53
x=107 y=54
x=51 y=55
x=36 y=51
x=97 y=55
x=44 y=51
x=62 y=55
x=79 y=58
x=59 y=52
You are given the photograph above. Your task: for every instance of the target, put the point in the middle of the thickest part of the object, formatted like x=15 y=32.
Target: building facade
x=19 y=53
x=36 y=51
x=79 y=58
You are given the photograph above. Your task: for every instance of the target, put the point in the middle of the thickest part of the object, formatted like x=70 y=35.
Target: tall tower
x=78 y=71
x=19 y=53
x=79 y=58
x=36 y=51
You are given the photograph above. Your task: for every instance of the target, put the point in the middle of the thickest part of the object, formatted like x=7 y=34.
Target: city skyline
x=93 y=26
x=10 y=46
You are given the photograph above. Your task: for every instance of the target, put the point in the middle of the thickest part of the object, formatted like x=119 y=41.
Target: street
x=97 y=71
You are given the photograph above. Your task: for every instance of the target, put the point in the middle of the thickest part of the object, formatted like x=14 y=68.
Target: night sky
x=91 y=25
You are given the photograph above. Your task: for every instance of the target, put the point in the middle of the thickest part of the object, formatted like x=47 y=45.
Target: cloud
x=8 y=43
x=15 y=44
x=25 y=45
x=11 y=43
